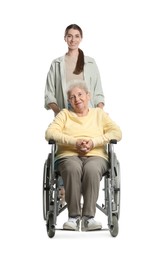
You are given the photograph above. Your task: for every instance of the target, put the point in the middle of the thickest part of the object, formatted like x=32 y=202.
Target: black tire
x=114 y=229
x=117 y=194
x=50 y=226
x=46 y=186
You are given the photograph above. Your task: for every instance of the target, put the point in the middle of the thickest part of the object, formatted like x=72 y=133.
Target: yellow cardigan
x=67 y=127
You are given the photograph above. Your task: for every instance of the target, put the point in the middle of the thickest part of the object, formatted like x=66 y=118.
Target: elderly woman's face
x=78 y=99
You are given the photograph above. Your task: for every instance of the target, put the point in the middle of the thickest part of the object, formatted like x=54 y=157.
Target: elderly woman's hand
x=84 y=146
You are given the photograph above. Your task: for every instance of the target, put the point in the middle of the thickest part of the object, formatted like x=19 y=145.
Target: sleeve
x=49 y=95
x=98 y=95
x=110 y=131
x=55 y=130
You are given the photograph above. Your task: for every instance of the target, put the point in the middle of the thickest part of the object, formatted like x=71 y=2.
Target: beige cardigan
x=55 y=89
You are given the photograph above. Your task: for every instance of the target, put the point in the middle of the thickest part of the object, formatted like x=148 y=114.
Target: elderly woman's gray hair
x=76 y=83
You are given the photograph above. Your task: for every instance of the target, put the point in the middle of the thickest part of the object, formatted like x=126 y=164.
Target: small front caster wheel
x=114 y=229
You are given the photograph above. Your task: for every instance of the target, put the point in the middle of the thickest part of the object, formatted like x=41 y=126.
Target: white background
x=125 y=38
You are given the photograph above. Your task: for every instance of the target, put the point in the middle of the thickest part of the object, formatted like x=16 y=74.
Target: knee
x=71 y=168
x=93 y=172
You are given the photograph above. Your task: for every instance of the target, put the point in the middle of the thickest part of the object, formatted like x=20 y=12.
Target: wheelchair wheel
x=114 y=229
x=117 y=189
x=46 y=187
x=50 y=226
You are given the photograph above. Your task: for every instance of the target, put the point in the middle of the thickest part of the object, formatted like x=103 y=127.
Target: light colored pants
x=82 y=176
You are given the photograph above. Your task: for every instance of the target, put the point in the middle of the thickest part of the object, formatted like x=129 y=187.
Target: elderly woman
x=81 y=134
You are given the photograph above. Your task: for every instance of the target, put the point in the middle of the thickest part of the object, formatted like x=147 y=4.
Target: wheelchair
x=52 y=203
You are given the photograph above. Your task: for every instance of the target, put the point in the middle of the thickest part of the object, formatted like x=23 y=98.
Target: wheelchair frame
x=52 y=204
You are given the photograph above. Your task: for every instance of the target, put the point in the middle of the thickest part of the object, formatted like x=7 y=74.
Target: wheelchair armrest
x=110 y=146
x=51 y=141
x=113 y=141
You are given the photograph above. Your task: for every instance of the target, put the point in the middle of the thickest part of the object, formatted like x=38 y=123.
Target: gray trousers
x=81 y=177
